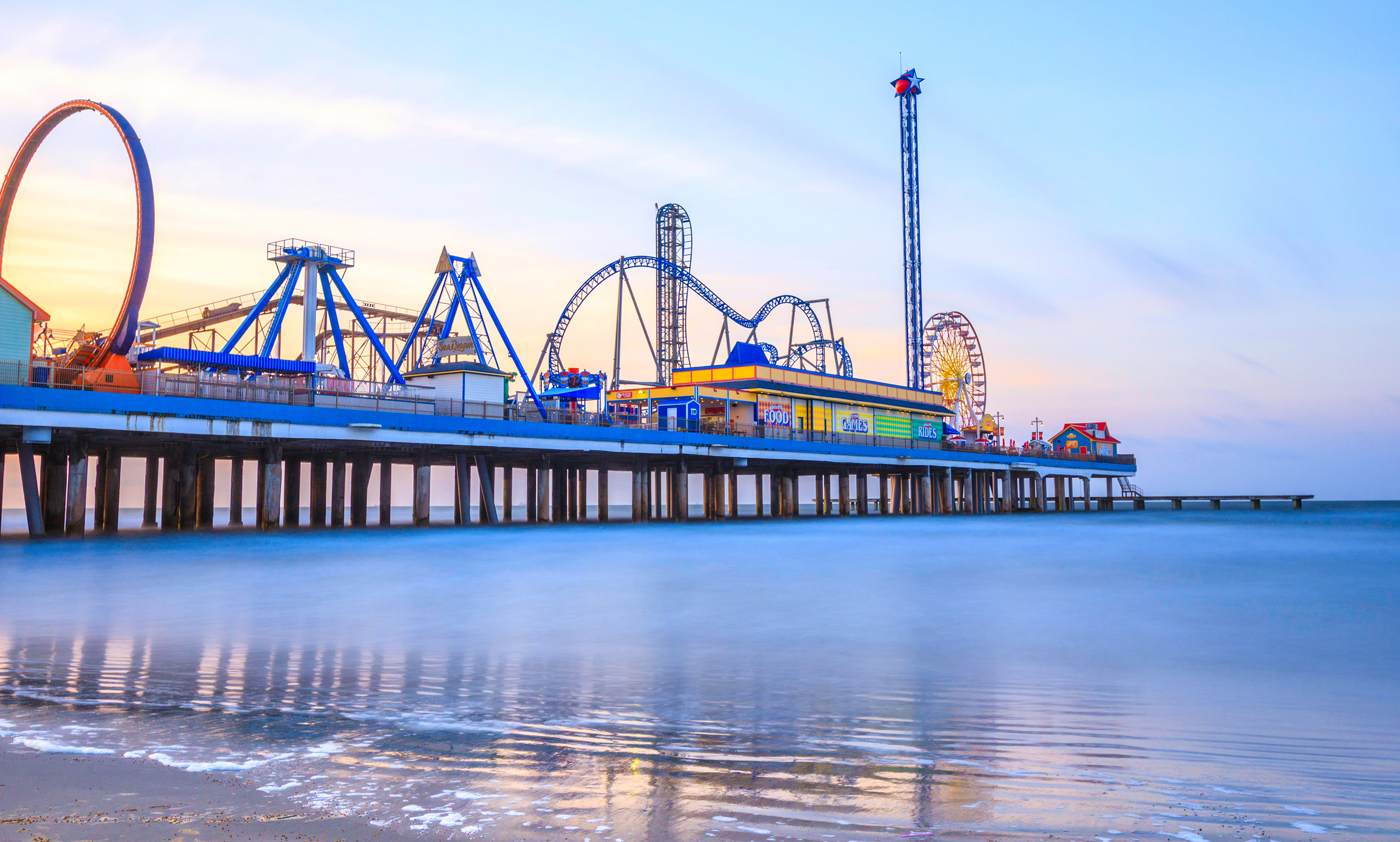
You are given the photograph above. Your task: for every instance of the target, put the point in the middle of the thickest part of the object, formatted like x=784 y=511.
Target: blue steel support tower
x=906 y=88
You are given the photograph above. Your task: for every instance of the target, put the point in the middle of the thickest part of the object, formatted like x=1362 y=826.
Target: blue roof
x=573 y=393
x=191 y=356
x=747 y=353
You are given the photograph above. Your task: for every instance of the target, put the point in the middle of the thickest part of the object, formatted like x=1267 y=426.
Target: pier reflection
x=660 y=747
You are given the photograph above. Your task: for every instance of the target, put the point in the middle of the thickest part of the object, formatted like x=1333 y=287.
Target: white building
x=462 y=381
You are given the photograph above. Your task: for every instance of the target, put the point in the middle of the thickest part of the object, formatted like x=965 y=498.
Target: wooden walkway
x=1255 y=500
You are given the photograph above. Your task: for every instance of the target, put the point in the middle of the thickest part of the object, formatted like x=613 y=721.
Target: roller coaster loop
x=843 y=358
x=123 y=333
x=555 y=339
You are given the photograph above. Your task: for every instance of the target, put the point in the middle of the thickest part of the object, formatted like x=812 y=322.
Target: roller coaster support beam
x=258 y=308
x=335 y=326
x=683 y=276
x=308 y=310
x=476 y=282
x=465 y=300
x=418 y=325
x=394 y=375
x=276 y=328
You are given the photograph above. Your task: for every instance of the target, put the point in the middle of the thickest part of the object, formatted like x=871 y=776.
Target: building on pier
x=744 y=398
x=19 y=321
x=462 y=381
x=1087 y=437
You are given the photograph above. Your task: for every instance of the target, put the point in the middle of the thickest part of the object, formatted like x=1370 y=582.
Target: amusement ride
x=366 y=346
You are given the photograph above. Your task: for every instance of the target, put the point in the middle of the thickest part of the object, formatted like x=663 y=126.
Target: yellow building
x=742 y=397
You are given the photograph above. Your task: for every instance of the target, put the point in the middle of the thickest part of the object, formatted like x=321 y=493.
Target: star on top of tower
x=907 y=83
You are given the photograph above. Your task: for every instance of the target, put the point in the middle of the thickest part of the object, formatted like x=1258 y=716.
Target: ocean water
x=1194 y=675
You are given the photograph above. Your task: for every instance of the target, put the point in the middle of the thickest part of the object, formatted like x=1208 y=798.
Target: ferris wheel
x=953 y=365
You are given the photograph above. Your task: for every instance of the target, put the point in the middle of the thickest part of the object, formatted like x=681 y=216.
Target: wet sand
x=67 y=797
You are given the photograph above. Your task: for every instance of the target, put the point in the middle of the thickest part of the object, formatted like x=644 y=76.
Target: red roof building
x=19 y=317
x=1090 y=437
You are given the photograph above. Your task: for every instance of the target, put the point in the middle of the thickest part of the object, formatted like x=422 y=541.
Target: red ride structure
x=99 y=362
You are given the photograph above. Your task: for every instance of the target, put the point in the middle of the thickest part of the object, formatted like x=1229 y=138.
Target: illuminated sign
x=454 y=345
x=855 y=423
x=775 y=414
x=886 y=425
x=928 y=430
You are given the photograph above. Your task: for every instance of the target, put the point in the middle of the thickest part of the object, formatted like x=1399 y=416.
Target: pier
x=185 y=446
x=197 y=396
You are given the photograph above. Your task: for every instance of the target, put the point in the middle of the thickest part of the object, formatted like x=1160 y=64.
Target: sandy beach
x=67 y=797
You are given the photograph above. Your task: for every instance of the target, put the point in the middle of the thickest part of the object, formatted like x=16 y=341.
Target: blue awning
x=573 y=393
x=214 y=359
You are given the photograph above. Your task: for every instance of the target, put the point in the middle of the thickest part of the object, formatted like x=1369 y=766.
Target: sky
x=1176 y=218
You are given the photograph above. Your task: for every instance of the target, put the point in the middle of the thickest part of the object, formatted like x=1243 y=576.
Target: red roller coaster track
x=123 y=332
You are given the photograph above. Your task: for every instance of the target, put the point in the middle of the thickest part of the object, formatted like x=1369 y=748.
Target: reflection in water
x=595 y=737
x=788 y=682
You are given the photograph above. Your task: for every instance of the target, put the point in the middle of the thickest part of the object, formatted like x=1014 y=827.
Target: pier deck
x=182 y=439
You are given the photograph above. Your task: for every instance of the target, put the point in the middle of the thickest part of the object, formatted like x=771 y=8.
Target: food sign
x=775 y=414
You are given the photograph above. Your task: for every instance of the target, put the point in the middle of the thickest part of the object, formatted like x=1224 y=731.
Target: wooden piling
x=462 y=491
x=75 y=519
x=603 y=516
x=99 y=489
x=359 y=489
x=170 y=491
x=152 y=485
x=542 y=494
x=682 y=495
x=485 y=475
x=338 y=490
x=386 y=488
x=582 y=475
x=508 y=493
x=291 y=493
x=204 y=497
x=570 y=494
x=532 y=494
x=559 y=496
x=422 y=490
x=317 y=515
x=235 y=492
x=54 y=487
x=269 y=486
x=29 y=483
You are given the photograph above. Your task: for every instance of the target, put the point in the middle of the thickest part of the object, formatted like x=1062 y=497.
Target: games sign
x=855 y=422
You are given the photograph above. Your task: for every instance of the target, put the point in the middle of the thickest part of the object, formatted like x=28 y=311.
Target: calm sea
x=1199 y=675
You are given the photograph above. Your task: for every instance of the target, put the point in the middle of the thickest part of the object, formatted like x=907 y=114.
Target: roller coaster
x=674 y=282
x=93 y=352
